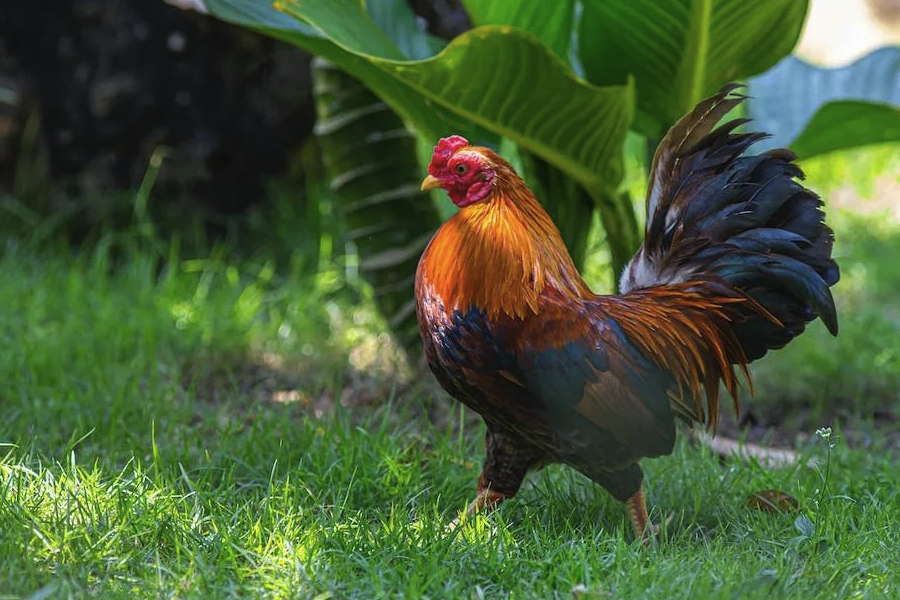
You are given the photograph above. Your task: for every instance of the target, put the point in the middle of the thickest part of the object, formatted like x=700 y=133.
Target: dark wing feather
x=599 y=380
x=578 y=361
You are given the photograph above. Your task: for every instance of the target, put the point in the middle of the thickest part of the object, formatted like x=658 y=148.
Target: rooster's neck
x=499 y=255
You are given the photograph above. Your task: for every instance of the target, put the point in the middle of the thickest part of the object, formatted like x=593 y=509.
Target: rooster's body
x=736 y=260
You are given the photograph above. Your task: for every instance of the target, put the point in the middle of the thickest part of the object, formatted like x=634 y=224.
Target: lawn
x=213 y=428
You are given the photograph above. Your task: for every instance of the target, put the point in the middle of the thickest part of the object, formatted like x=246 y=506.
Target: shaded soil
x=792 y=425
x=271 y=379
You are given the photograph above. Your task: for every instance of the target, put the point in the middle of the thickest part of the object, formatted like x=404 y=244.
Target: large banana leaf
x=550 y=22
x=680 y=51
x=371 y=158
x=398 y=21
x=431 y=121
x=493 y=79
x=815 y=110
x=502 y=79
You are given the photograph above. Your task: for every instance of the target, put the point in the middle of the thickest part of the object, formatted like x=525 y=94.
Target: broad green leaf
x=551 y=22
x=372 y=163
x=490 y=81
x=479 y=76
x=681 y=51
x=346 y=23
x=399 y=23
x=260 y=15
x=848 y=124
x=815 y=110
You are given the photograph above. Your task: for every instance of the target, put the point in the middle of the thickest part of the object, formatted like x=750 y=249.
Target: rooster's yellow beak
x=430 y=183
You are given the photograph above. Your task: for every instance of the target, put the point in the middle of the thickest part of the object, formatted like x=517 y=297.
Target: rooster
x=736 y=261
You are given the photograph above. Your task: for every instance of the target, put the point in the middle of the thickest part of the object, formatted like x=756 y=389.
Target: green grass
x=213 y=428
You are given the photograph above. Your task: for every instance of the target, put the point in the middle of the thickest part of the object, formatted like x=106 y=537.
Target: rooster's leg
x=485 y=500
x=637 y=512
x=505 y=466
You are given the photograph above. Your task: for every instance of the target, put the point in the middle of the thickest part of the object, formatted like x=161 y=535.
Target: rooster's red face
x=465 y=172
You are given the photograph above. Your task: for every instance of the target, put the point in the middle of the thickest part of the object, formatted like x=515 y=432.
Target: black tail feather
x=715 y=214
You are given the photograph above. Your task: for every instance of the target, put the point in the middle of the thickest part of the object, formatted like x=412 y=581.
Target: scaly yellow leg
x=640 y=520
x=486 y=500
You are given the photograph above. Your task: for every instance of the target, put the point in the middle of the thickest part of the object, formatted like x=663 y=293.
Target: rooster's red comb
x=445 y=148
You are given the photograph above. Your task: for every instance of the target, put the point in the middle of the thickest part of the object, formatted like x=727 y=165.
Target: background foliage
x=595 y=70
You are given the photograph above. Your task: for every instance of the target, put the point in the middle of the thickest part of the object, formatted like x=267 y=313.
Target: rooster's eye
x=461 y=169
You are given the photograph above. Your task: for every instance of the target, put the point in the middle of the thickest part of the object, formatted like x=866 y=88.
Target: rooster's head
x=467 y=173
